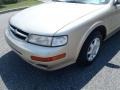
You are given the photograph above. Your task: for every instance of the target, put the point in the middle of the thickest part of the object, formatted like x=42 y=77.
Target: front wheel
x=90 y=48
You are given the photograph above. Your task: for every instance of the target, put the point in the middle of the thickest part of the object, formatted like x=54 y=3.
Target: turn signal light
x=48 y=59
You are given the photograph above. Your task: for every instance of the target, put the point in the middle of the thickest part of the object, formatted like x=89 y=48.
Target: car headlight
x=48 y=40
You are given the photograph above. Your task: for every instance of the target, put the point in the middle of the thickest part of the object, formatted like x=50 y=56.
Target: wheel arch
x=102 y=30
x=96 y=27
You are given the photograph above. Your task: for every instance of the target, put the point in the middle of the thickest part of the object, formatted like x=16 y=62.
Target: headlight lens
x=60 y=40
x=47 y=40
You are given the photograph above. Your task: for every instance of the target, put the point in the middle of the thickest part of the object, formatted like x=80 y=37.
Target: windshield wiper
x=69 y=1
x=75 y=2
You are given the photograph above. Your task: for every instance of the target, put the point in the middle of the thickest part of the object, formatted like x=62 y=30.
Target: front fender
x=87 y=33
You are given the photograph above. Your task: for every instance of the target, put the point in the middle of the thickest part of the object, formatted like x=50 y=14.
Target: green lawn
x=24 y=3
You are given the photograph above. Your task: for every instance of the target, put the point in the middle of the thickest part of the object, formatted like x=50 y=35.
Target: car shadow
x=19 y=75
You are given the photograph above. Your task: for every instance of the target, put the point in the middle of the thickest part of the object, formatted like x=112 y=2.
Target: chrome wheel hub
x=93 y=49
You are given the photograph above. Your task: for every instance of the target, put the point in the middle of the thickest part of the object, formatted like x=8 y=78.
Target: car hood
x=48 y=18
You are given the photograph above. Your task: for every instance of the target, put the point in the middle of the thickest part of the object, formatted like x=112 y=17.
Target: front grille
x=18 y=32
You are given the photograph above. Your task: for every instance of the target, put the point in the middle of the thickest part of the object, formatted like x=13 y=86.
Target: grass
x=25 y=3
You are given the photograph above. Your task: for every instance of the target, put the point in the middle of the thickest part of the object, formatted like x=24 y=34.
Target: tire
x=89 y=51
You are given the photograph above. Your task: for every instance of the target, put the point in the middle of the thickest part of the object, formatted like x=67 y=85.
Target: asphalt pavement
x=16 y=74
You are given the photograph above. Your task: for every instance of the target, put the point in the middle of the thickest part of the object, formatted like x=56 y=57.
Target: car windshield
x=85 y=1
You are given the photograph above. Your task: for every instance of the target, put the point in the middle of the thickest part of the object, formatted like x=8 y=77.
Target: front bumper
x=26 y=50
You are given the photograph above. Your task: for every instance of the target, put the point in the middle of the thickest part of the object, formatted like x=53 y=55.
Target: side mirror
x=117 y=2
